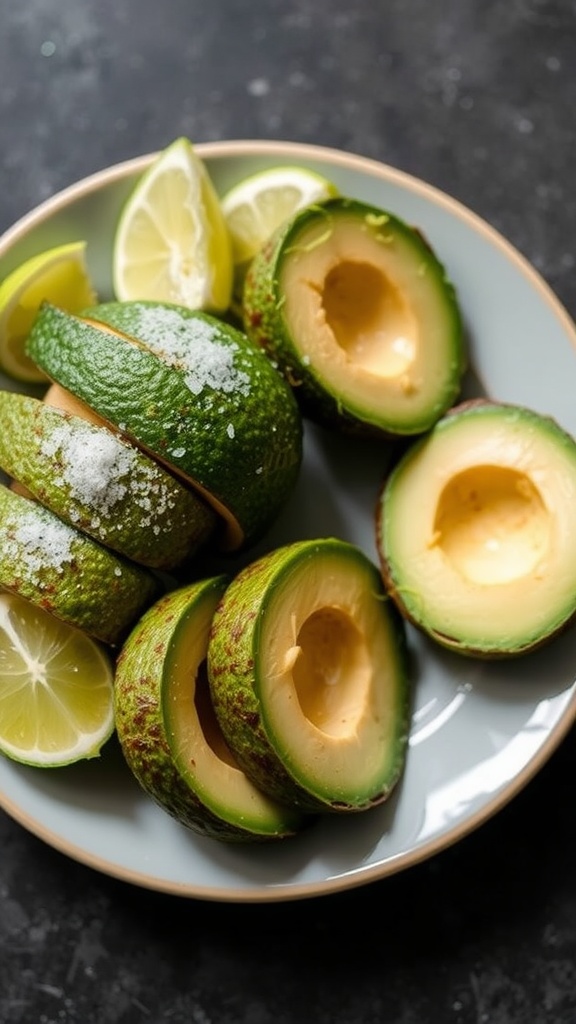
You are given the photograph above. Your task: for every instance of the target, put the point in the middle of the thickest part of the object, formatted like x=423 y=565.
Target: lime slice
x=59 y=276
x=56 y=688
x=171 y=241
x=257 y=205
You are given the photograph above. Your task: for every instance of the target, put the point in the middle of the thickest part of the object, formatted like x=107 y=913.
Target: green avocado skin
x=234 y=677
x=265 y=325
x=231 y=674
x=140 y=721
x=26 y=424
x=242 y=446
x=86 y=585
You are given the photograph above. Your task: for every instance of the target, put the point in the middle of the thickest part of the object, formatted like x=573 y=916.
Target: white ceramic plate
x=480 y=730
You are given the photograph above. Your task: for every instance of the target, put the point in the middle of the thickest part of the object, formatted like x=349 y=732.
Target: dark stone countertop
x=479 y=99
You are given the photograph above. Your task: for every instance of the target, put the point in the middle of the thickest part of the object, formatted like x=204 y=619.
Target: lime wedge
x=257 y=205
x=59 y=276
x=56 y=688
x=171 y=242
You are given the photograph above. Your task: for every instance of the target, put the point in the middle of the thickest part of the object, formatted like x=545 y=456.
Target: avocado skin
x=482 y=651
x=264 y=323
x=247 y=457
x=141 y=728
x=68 y=591
x=26 y=422
x=233 y=676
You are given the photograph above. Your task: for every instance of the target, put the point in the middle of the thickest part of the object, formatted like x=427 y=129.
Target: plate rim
x=360 y=875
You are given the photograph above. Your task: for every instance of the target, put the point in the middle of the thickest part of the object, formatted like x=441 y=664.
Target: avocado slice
x=475 y=530
x=358 y=312
x=169 y=734
x=96 y=481
x=308 y=675
x=189 y=390
x=53 y=565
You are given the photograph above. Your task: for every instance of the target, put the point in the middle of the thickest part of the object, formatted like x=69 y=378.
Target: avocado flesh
x=169 y=733
x=308 y=676
x=476 y=530
x=358 y=309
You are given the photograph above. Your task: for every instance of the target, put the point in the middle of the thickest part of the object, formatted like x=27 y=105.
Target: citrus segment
x=258 y=205
x=56 y=688
x=58 y=275
x=171 y=241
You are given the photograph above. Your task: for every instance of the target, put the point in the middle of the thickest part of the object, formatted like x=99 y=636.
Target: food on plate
x=193 y=392
x=255 y=207
x=64 y=572
x=93 y=479
x=56 y=697
x=167 y=729
x=171 y=242
x=59 y=275
x=308 y=676
x=476 y=530
x=357 y=310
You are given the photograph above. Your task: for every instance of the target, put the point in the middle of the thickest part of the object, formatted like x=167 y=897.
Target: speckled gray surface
x=478 y=98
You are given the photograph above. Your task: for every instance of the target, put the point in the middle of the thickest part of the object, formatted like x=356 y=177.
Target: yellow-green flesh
x=477 y=529
x=330 y=678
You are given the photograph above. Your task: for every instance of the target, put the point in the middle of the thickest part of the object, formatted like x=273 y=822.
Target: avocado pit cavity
x=331 y=671
x=369 y=319
x=492 y=525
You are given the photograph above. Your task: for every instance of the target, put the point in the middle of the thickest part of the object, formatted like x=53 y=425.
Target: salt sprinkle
x=39 y=542
x=100 y=472
x=191 y=345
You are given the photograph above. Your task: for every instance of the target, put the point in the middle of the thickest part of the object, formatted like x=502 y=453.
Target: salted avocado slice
x=168 y=732
x=476 y=530
x=359 y=313
x=308 y=675
x=54 y=566
x=191 y=391
x=97 y=482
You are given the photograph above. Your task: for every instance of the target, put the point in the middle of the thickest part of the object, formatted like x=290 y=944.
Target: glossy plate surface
x=480 y=731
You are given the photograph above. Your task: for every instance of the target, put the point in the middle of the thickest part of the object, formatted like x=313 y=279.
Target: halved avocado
x=476 y=530
x=308 y=675
x=169 y=734
x=358 y=312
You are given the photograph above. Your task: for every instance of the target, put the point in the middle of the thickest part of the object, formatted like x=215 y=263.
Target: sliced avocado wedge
x=55 y=566
x=358 y=311
x=97 y=482
x=308 y=676
x=191 y=391
x=476 y=530
x=169 y=734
